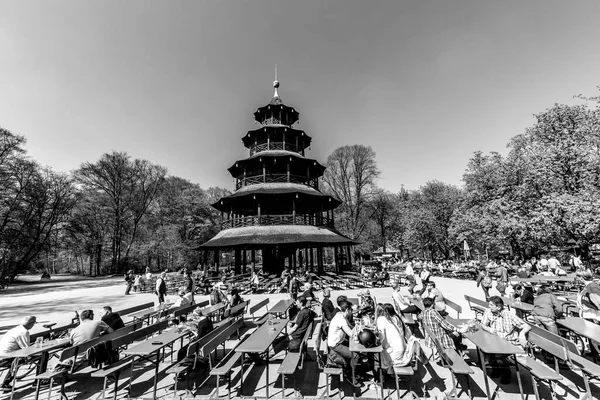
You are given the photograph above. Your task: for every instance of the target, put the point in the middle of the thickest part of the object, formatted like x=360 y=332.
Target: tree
x=129 y=187
x=350 y=176
x=35 y=202
x=384 y=213
x=429 y=217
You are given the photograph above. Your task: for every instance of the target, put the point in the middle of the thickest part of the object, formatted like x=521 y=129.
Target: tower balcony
x=257 y=148
x=274 y=220
x=276 y=178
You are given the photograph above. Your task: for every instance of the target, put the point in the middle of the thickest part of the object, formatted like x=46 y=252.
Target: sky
x=424 y=83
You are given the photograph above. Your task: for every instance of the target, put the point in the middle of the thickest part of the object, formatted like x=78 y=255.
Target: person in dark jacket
x=546 y=309
x=111 y=319
x=327 y=306
x=521 y=292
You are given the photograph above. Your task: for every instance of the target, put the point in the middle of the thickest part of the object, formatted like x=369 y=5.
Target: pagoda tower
x=277 y=207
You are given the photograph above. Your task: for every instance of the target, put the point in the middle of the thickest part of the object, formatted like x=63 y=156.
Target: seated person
x=297 y=328
x=88 y=328
x=183 y=300
x=366 y=306
x=394 y=336
x=431 y=292
x=308 y=292
x=327 y=306
x=111 y=319
x=402 y=304
x=235 y=297
x=14 y=339
x=523 y=293
x=442 y=329
x=545 y=271
x=338 y=336
x=499 y=321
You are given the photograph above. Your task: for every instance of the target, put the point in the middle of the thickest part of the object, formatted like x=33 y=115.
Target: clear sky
x=425 y=83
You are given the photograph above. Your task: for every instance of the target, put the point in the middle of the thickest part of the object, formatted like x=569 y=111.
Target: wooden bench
x=476 y=305
x=133 y=309
x=589 y=369
x=117 y=343
x=454 y=362
x=258 y=306
x=187 y=309
x=212 y=345
x=294 y=360
x=225 y=367
x=454 y=306
x=328 y=371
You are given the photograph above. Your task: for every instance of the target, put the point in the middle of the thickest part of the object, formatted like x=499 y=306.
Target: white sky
x=425 y=83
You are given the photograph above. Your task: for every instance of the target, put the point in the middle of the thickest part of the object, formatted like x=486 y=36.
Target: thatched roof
x=256 y=236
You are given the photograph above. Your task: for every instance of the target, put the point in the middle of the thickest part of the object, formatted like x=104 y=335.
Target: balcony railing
x=287 y=219
x=276 y=178
x=257 y=148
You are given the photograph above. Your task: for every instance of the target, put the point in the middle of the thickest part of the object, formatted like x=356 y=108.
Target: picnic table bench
x=294 y=360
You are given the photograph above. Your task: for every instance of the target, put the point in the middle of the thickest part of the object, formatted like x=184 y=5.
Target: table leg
x=353 y=367
x=242 y=375
x=381 y=377
x=267 y=387
x=485 y=377
x=156 y=374
x=518 y=377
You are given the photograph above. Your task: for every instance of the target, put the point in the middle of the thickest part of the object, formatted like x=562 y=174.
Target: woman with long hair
x=394 y=337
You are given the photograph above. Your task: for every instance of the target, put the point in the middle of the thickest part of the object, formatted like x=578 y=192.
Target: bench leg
x=283 y=385
x=327 y=384
x=117 y=376
x=229 y=386
x=397 y=379
x=587 y=386
x=519 y=378
x=50 y=388
x=535 y=388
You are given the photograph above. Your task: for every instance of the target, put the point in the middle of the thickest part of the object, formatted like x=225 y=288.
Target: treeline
x=544 y=194
x=106 y=217
x=120 y=213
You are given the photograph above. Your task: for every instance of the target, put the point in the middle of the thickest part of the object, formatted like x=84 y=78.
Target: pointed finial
x=276 y=83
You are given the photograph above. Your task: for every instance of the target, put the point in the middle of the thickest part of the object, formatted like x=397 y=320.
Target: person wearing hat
x=183 y=299
x=15 y=339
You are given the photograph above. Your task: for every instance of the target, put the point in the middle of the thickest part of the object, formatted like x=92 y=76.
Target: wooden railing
x=276 y=178
x=257 y=148
x=287 y=219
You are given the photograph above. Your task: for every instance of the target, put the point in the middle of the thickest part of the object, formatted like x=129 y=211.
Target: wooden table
x=581 y=327
x=209 y=311
x=518 y=305
x=491 y=344
x=356 y=347
x=149 y=312
x=259 y=342
x=154 y=345
x=281 y=307
x=43 y=350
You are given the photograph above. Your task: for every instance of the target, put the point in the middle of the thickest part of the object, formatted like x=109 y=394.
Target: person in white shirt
x=15 y=339
x=338 y=334
x=409 y=269
x=185 y=299
x=553 y=264
x=543 y=263
x=402 y=304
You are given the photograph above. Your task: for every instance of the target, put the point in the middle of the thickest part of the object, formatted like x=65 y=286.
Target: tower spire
x=276 y=84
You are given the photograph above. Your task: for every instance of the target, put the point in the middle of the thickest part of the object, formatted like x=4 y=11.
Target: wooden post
x=217 y=259
x=300 y=259
x=320 y=260
x=312 y=261
x=237 y=262
x=244 y=261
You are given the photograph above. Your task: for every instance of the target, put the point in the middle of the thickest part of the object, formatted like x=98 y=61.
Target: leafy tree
x=35 y=202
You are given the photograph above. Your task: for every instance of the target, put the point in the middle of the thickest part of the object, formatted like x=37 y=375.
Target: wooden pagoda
x=277 y=207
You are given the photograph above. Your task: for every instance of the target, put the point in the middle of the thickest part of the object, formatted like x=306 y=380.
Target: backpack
x=215 y=297
x=335 y=360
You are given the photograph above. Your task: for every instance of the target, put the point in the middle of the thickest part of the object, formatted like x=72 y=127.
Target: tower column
x=237 y=262
x=244 y=260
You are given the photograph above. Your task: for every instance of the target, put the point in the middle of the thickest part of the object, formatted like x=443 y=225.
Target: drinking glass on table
x=39 y=341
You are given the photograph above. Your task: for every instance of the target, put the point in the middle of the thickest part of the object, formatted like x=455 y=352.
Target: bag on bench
x=335 y=360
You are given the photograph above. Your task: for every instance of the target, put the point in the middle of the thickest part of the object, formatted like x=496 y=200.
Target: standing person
x=188 y=284
x=546 y=309
x=534 y=265
x=485 y=280
x=161 y=287
x=502 y=282
x=294 y=286
x=148 y=274
x=129 y=279
x=137 y=283
x=15 y=339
